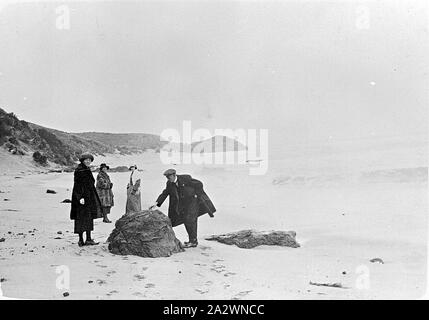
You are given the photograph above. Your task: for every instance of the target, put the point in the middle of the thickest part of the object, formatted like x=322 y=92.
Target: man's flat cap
x=169 y=172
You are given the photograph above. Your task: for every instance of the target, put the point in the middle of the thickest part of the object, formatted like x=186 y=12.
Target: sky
x=301 y=69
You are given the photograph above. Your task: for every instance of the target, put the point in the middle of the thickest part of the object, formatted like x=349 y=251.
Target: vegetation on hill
x=125 y=143
x=20 y=137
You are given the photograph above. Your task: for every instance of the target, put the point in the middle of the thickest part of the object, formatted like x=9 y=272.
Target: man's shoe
x=107 y=221
x=91 y=243
x=191 y=244
x=80 y=243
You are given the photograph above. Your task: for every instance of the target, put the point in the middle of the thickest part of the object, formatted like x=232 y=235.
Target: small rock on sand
x=66 y=294
x=377 y=260
x=51 y=191
x=2 y=239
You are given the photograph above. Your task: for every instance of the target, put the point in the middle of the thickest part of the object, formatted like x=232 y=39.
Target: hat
x=103 y=165
x=169 y=172
x=133 y=166
x=86 y=156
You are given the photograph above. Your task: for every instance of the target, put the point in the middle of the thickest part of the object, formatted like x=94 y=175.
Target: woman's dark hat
x=169 y=172
x=86 y=156
x=133 y=166
x=103 y=165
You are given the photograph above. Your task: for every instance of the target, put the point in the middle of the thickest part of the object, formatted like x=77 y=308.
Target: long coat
x=180 y=196
x=84 y=188
x=134 y=203
x=104 y=189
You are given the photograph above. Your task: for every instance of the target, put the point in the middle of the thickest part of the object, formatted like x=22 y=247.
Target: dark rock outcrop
x=145 y=234
x=250 y=238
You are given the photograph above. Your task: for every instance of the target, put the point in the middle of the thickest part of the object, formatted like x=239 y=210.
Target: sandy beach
x=342 y=221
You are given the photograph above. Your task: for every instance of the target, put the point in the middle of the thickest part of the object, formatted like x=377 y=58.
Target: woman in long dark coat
x=86 y=205
x=104 y=190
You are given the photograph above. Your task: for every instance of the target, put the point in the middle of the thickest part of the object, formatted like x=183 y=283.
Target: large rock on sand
x=250 y=238
x=145 y=234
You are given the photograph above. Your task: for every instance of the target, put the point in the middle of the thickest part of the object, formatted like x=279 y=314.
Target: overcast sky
x=300 y=69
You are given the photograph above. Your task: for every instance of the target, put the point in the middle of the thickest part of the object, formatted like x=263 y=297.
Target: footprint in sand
x=218 y=269
x=201 y=291
x=241 y=295
x=112 y=292
x=205 y=254
x=98 y=254
x=227 y=274
x=101 y=266
x=205 y=248
x=145 y=268
x=150 y=285
x=110 y=273
x=138 y=294
x=200 y=264
x=101 y=282
x=139 y=277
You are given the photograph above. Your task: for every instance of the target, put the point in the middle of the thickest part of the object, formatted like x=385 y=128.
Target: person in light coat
x=134 y=203
x=104 y=190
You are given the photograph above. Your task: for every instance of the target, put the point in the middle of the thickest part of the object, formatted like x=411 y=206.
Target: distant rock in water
x=66 y=201
x=250 y=238
x=119 y=169
x=217 y=143
x=145 y=234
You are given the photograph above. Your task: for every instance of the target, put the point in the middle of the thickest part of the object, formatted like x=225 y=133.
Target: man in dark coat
x=187 y=202
x=86 y=204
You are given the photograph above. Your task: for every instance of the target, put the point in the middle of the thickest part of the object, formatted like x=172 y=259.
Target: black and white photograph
x=214 y=150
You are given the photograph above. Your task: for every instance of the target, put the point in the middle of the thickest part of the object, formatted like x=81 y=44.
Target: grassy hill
x=125 y=143
x=23 y=138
